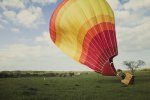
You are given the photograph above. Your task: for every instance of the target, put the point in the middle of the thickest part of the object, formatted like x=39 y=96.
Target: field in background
x=75 y=86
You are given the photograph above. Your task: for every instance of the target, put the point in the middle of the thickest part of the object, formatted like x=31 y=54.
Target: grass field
x=89 y=86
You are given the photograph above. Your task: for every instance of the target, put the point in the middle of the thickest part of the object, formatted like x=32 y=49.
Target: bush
x=71 y=74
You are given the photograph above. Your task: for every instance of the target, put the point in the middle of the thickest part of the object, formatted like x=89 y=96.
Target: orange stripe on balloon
x=52 y=28
x=105 y=18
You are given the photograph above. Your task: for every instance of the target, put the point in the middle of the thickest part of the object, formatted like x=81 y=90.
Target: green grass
x=84 y=87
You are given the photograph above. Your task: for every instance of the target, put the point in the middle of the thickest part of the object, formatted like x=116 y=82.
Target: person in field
x=121 y=74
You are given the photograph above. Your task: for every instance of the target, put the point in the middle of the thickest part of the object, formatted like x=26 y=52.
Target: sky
x=25 y=43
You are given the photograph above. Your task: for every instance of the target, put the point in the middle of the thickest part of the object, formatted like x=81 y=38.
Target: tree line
x=15 y=74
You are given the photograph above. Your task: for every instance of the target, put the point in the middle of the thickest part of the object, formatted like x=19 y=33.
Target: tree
x=134 y=65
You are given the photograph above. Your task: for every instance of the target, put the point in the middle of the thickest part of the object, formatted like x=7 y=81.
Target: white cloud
x=44 y=2
x=37 y=57
x=1 y=27
x=15 y=30
x=11 y=15
x=21 y=4
x=44 y=37
x=114 y=3
x=137 y=4
x=132 y=24
x=2 y=20
x=130 y=19
x=11 y=3
x=16 y=52
x=134 y=38
x=31 y=17
x=27 y=55
x=27 y=13
x=21 y=51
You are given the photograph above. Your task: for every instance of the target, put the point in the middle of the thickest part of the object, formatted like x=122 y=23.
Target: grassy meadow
x=87 y=86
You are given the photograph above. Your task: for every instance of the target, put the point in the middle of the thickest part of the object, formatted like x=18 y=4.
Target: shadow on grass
x=46 y=84
x=98 y=86
x=77 y=85
x=108 y=81
x=141 y=79
x=29 y=91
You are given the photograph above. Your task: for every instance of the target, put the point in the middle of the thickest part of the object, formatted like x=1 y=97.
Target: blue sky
x=25 y=43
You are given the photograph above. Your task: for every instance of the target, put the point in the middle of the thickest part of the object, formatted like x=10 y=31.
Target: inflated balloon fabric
x=85 y=30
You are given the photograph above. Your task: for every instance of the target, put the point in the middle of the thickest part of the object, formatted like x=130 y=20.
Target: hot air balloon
x=85 y=30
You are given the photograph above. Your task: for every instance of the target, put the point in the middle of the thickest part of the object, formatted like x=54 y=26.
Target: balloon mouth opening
x=109 y=69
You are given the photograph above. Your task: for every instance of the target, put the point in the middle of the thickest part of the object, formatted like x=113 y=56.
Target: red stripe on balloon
x=95 y=46
x=52 y=28
x=93 y=32
x=96 y=29
x=106 y=68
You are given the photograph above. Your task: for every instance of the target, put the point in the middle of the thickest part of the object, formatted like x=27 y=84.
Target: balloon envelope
x=85 y=30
